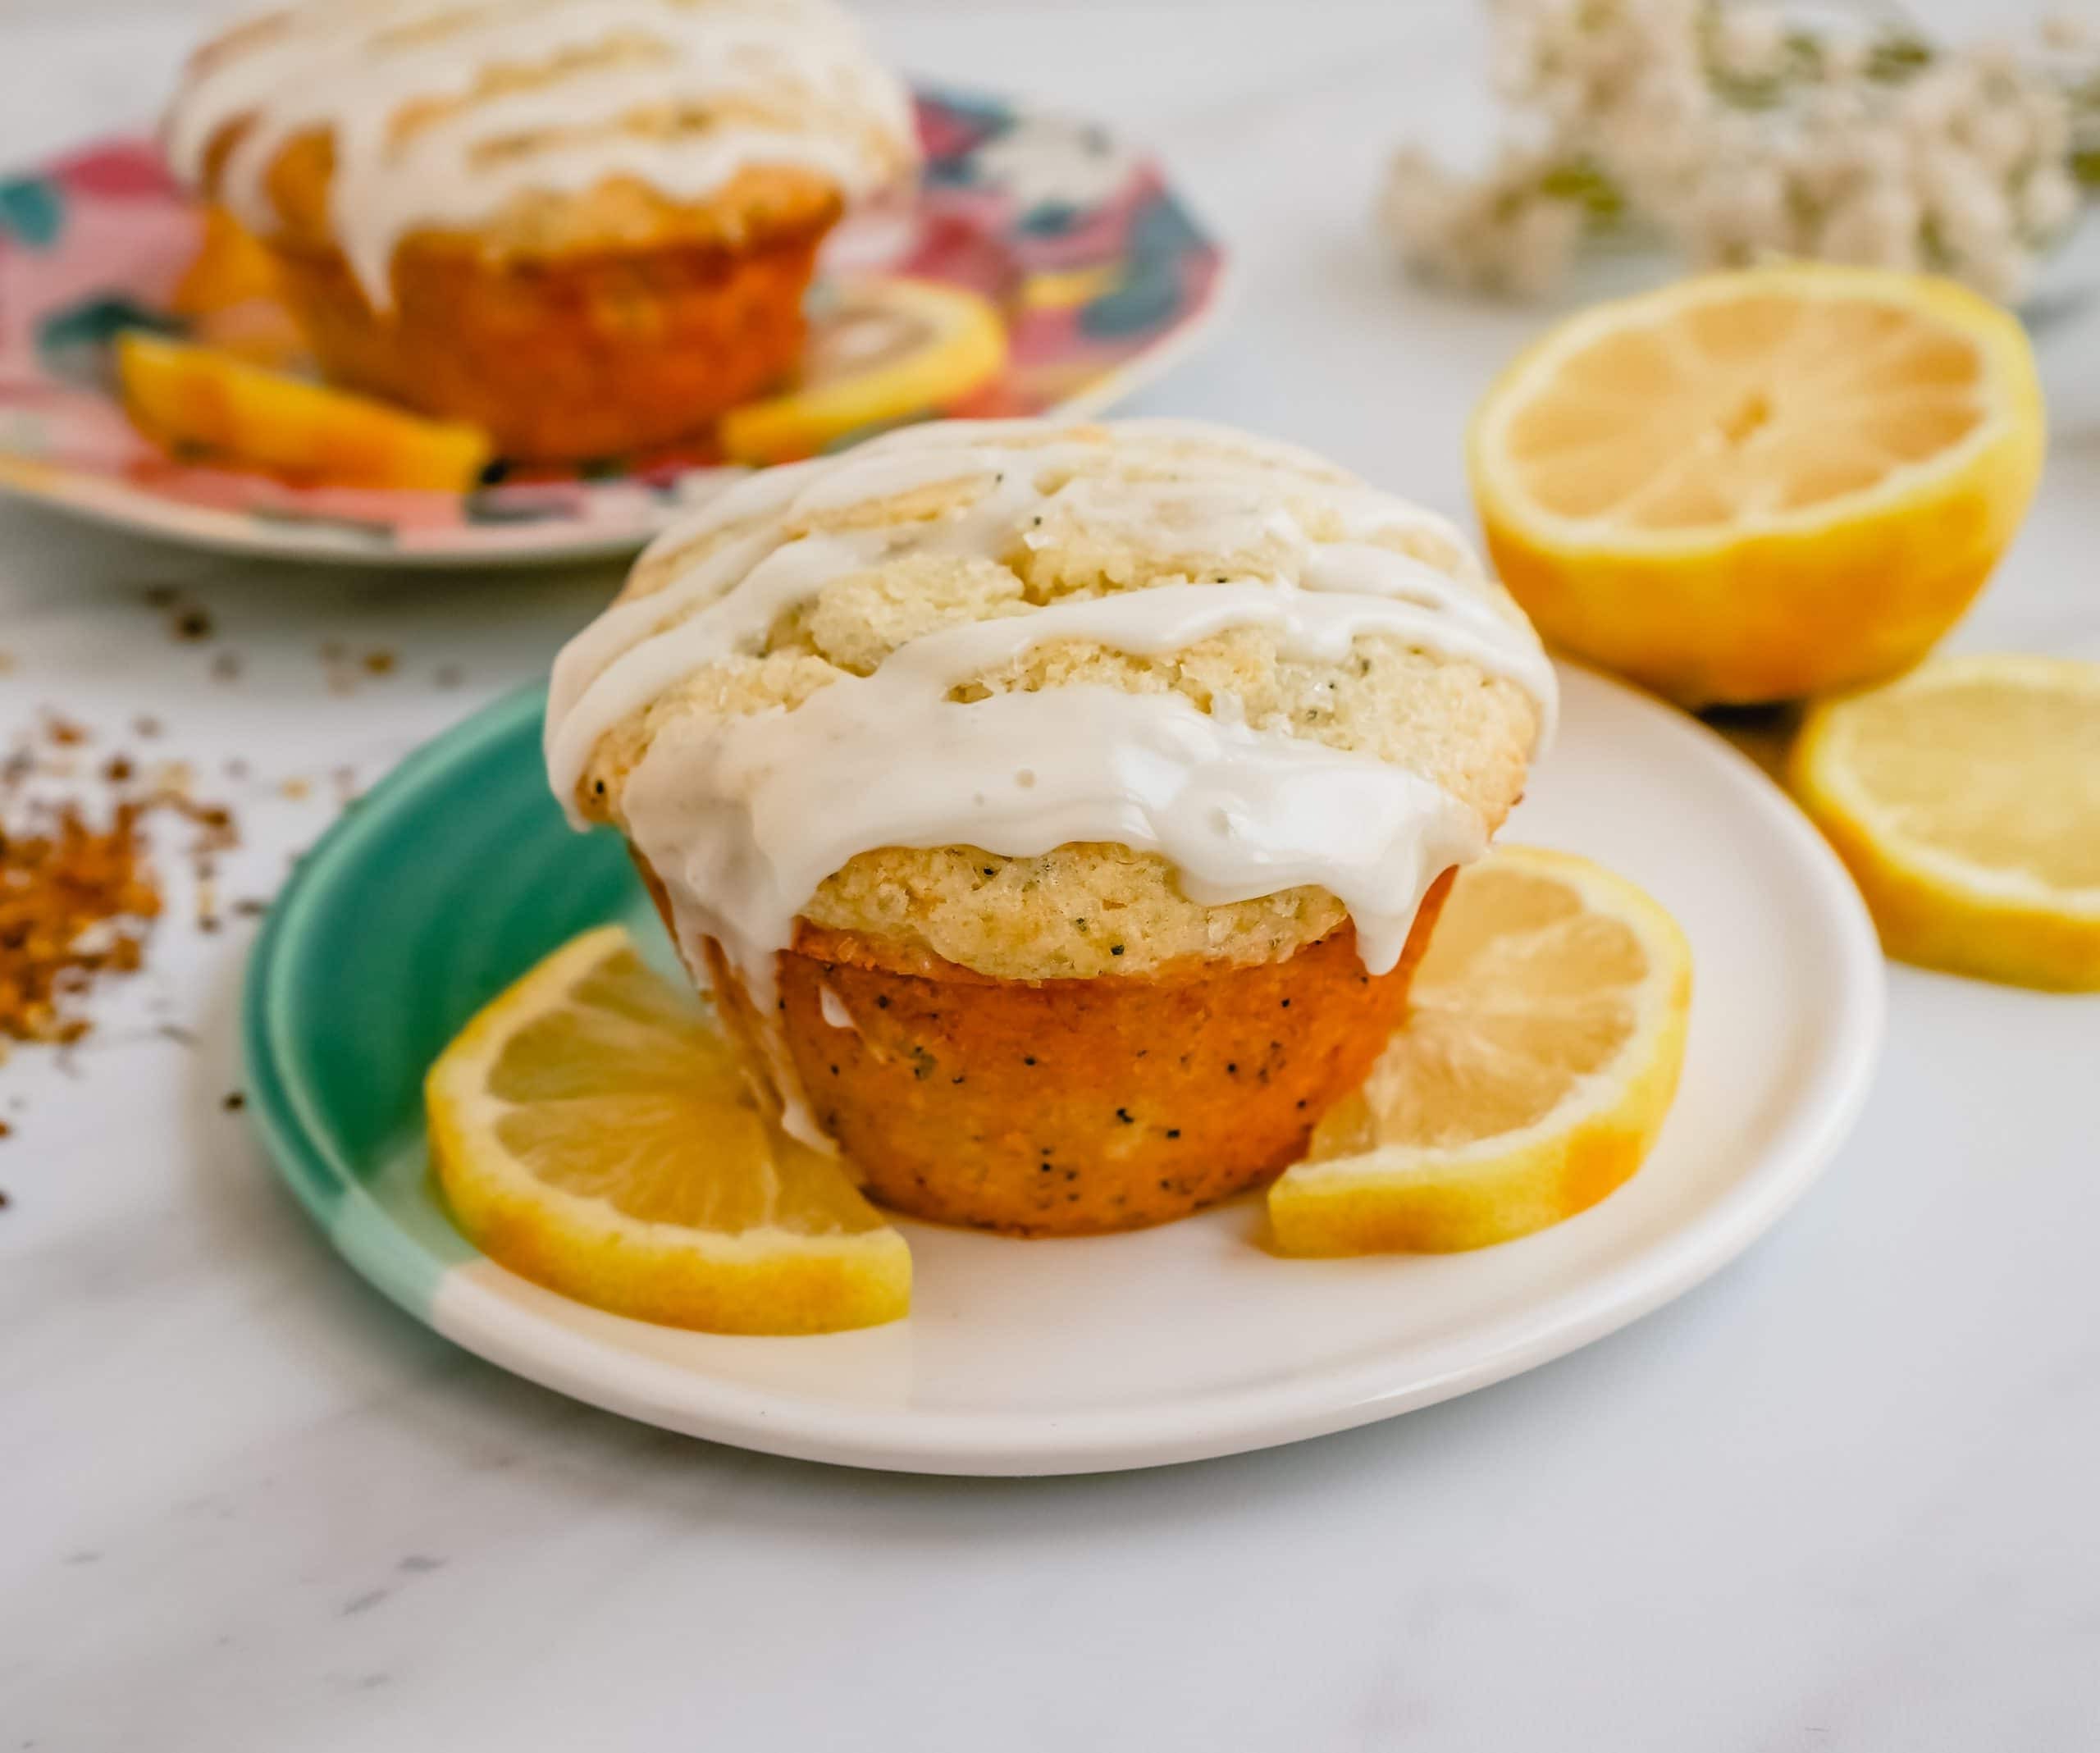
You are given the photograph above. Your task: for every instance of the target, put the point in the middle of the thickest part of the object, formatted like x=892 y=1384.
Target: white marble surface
x=1842 y=1496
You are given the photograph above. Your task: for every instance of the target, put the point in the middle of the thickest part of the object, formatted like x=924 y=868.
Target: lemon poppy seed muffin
x=1058 y=809
x=585 y=224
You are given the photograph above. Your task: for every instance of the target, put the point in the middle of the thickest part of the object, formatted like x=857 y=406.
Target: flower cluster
x=1737 y=132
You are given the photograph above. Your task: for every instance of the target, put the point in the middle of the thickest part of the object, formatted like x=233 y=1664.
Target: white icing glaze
x=796 y=74
x=743 y=818
x=834 y=1008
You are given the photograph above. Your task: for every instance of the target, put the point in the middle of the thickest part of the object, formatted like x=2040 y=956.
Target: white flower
x=1499 y=234
x=1542 y=242
x=2003 y=273
x=1751 y=41
x=1961 y=166
x=1845 y=59
x=1929 y=104
x=2064 y=32
x=1876 y=152
x=1879 y=227
x=1960 y=193
x=2048 y=117
x=1993 y=57
x=1998 y=135
x=2048 y=201
x=1742 y=214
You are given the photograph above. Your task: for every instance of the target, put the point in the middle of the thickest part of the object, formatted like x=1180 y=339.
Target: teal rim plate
x=459 y=872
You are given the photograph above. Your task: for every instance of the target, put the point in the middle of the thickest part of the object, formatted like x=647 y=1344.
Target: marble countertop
x=1841 y=1496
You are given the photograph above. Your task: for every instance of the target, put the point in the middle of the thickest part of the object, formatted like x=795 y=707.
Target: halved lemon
x=1755 y=486
x=202 y=400
x=591 y=1132
x=884 y=350
x=1966 y=799
x=1544 y=1035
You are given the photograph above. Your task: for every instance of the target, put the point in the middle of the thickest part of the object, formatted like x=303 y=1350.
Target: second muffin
x=587 y=229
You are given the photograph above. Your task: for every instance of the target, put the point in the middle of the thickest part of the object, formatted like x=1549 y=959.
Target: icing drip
x=743 y=817
x=443 y=111
x=833 y=1009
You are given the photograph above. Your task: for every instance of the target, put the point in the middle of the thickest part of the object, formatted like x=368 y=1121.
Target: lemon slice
x=230 y=300
x=1754 y=486
x=591 y=1132
x=231 y=267
x=1966 y=799
x=885 y=350
x=1544 y=1035
x=200 y=399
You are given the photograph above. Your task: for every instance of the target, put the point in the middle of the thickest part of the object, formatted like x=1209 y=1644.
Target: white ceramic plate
x=1189 y=1340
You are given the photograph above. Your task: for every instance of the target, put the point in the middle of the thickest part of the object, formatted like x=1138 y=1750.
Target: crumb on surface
x=78 y=897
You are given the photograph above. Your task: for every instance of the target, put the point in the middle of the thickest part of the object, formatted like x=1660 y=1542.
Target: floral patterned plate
x=1099 y=272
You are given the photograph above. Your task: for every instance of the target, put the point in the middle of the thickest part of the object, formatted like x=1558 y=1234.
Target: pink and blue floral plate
x=1099 y=270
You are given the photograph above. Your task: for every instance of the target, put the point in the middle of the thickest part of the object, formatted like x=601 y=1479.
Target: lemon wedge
x=885 y=350
x=1546 y=1033
x=1965 y=798
x=230 y=298
x=592 y=1131
x=231 y=267
x=228 y=410
x=1754 y=486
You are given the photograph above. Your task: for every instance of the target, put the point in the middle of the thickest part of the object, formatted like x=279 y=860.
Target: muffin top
x=536 y=127
x=1050 y=700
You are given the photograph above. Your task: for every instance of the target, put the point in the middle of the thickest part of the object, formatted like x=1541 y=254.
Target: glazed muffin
x=1058 y=811
x=587 y=228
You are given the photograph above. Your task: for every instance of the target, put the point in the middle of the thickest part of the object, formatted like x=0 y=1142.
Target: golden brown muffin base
x=1076 y=1107
x=568 y=357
